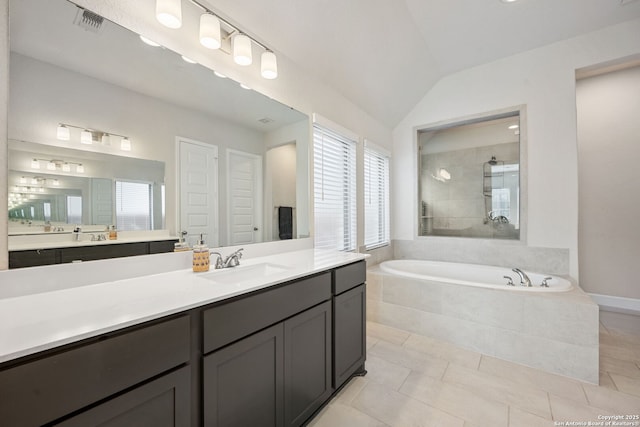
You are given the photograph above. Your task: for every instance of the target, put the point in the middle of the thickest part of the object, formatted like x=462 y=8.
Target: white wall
x=609 y=180
x=544 y=80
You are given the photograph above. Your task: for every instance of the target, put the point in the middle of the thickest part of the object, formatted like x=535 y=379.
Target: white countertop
x=41 y=321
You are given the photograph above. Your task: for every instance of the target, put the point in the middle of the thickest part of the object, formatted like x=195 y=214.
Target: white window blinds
x=376 y=198
x=133 y=206
x=334 y=190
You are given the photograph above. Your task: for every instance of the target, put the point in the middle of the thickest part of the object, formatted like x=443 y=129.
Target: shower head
x=493 y=161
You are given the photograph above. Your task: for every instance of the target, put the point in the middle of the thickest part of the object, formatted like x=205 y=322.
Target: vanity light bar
x=55 y=164
x=169 y=14
x=89 y=136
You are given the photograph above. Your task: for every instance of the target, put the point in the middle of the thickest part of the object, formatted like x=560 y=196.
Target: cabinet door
x=349 y=340
x=243 y=382
x=307 y=366
x=164 y=402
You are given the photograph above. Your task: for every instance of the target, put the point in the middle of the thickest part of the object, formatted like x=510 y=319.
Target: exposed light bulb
x=63 y=133
x=66 y=167
x=106 y=139
x=242 y=50
x=80 y=169
x=51 y=166
x=210 y=31
x=269 y=65
x=169 y=13
x=86 y=137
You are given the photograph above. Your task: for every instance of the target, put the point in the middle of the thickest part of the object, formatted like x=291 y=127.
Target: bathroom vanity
x=183 y=349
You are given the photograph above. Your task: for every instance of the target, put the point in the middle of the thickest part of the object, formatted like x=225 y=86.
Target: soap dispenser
x=201 y=257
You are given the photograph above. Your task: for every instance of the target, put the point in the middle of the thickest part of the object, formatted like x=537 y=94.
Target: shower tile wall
x=456 y=206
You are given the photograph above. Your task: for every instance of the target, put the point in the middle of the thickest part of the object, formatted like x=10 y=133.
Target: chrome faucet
x=219 y=263
x=524 y=279
x=233 y=260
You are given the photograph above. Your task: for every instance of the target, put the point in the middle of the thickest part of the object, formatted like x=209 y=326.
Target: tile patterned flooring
x=415 y=381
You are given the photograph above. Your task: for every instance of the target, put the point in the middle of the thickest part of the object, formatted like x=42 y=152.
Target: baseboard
x=617 y=303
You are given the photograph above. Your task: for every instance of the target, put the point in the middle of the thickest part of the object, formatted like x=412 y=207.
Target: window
x=334 y=190
x=133 y=206
x=376 y=197
x=74 y=210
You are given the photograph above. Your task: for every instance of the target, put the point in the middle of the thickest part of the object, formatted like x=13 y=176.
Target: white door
x=244 y=182
x=198 y=195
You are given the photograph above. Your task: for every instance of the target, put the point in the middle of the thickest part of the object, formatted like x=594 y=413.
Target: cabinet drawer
x=58 y=384
x=20 y=259
x=349 y=276
x=229 y=322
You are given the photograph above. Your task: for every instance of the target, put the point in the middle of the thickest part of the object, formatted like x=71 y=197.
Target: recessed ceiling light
x=219 y=74
x=189 y=60
x=513 y=127
x=244 y=86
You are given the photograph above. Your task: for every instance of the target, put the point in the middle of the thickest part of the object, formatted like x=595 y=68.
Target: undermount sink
x=244 y=273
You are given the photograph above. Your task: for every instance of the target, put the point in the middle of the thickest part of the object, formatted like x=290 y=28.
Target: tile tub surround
x=554 y=332
x=501 y=253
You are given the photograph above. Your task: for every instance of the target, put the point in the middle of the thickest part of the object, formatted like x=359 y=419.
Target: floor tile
x=619 y=352
x=620 y=321
x=399 y=410
x=620 y=367
x=532 y=377
x=615 y=402
x=387 y=333
x=389 y=374
x=443 y=350
x=350 y=390
x=626 y=385
x=466 y=404
x=606 y=381
x=338 y=415
x=414 y=360
x=520 y=418
x=565 y=410
x=533 y=400
x=371 y=341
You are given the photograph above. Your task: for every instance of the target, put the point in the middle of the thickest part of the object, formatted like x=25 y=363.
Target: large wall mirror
x=142 y=105
x=469 y=178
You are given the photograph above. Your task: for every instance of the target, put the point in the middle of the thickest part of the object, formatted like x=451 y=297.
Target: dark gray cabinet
x=271 y=357
x=349 y=334
x=244 y=383
x=307 y=363
x=36 y=257
x=63 y=382
x=163 y=402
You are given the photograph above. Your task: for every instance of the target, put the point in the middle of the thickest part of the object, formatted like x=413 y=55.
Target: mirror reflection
x=469 y=179
x=228 y=162
x=52 y=189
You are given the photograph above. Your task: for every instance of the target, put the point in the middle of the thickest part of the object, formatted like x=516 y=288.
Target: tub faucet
x=524 y=279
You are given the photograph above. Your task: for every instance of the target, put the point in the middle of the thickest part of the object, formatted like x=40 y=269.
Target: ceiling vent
x=88 y=20
x=265 y=120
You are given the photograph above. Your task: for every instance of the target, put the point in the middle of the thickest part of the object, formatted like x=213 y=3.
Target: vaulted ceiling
x=384 y=55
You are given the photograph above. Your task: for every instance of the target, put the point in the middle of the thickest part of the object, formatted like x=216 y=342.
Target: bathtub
x=472 y=275
x=471 y=306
